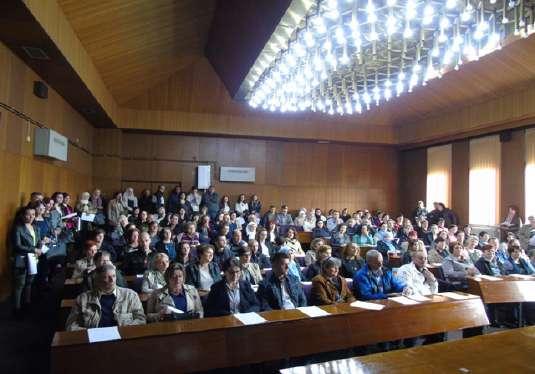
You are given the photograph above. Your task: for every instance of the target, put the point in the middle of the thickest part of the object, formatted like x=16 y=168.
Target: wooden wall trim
x=52 y=19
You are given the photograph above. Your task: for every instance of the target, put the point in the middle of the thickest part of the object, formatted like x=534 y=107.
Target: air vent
x=35 y=53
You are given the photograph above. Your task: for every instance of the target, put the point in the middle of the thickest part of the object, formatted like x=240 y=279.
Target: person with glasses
x=231 y=295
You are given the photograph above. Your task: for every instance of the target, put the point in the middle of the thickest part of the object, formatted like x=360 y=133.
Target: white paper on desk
x=404 y=300
x=489 y=277
x=418 y=297
x=170 y=309
x=139 y=275
x=32 y=263
x=69 y=216
x=313 y=311
x=454 y=296
x=44 y=249
x=365 y=305
x=103 y=334
x=88 y=217
x=249 y=318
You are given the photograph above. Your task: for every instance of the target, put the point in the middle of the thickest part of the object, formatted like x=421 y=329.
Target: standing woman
x=26 y=241
x=129 y=200
x=67 y=209
x=224 y=204
x=241 y=205
x=255 y=206
x=183 y=203
x=115 y=209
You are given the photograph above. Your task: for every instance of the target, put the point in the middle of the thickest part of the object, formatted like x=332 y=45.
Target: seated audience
x=329 y=287
x=310 y=222
x=284 y=218
x=471 y=247
x=487 y=264
x=310 y=255
x=281 y=290
x=333 y=221
x=231 y=294
x=250 y=271
x=85 y=264
x=291 y=242
x=417 y=278
x=293 y=267
x=167 y=244
x=137 y=262
x=236 y=242
x=222 y=250
x=340 y=237
x=153 y=279
x=102 y=258
x=516 y=263
x=106 y=305
x=204 y=272
x=457 y=266
x=266 y=247
x=320 y=231
x=257 y=256
x=526 y=234
x=189 y=236
x=363 y=237
x=184 y=255
x=439 y=252
x=374 y=281
x=300 y=219
x=351 y=260
x=387 y=246
x=175 y=294
x=512 y=222
x=323 y=253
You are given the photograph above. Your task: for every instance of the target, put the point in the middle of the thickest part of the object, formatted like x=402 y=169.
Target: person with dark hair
x=85 y=264
x=516 y=263
x=158 y=199
x=250 y=270
x=329 y=287
x=138 y=261
x=26 y=242
x=204 y=272
x=269 y=216
x=439 y=252
x=173 y=200
x=210 y=199
x=320 y=231
x=257 y=256
x=512 y=222
x=487 y=264
x=231 y=295
x=281 y=290
x=174 y=295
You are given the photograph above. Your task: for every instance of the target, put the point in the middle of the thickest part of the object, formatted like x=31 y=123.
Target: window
x=484 y=180
x=529 y=174
x=438 y=175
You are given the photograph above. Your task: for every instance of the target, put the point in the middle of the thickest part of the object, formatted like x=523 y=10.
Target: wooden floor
x=502 y=352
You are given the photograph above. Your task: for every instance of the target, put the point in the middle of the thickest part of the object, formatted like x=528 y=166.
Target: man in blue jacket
x=281 y=290
x=373 y=281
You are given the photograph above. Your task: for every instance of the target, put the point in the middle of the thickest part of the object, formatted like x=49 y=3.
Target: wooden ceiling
x=137 y=43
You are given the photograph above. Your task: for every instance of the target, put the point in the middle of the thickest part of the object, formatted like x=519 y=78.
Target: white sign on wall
x=203 y=177
x=50 y=144
x=236 y=174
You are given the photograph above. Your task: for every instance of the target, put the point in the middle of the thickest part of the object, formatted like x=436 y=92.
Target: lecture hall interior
x=267 y=186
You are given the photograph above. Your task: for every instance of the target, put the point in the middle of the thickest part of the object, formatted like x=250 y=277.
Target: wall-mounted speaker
x=40 y=90
x=506 y=136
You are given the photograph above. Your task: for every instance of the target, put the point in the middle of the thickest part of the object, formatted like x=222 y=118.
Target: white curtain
x=484 y=191
x=530 y=174
x=438 y=175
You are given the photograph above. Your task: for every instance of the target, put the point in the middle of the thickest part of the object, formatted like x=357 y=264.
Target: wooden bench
x=509 y=289
x=481 y=354
x=220 y=342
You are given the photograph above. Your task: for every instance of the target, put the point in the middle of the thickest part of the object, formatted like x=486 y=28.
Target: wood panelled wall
x=194 y=100
x=23 y=173
x=511 y=178
x=300 y=174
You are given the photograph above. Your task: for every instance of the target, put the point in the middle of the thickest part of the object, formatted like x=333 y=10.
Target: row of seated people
x=107 y=304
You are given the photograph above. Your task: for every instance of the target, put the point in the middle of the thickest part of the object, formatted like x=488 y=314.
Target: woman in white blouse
x=241 y=205
x=310 y=222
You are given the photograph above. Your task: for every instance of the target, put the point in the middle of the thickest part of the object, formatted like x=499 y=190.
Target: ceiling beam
x=68 y=69
x=239 y=32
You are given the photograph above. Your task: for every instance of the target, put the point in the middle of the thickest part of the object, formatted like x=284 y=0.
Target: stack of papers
x=250 y=318
x=103 y=334
x=403 y=300
x=313 y=311
x=365 y=305
x=454 y=296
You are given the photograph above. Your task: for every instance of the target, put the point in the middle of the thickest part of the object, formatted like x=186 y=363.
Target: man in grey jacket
x=106 y=305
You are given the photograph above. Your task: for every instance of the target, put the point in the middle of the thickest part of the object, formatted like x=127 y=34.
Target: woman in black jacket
x=26 y=248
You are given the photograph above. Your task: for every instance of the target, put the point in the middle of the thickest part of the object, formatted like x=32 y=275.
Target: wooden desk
x=213 y=342
x=509 y=289
x=304 y=237
x=502 y=352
